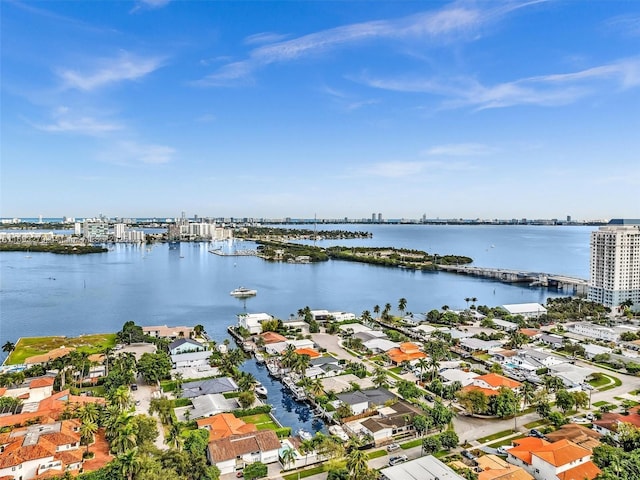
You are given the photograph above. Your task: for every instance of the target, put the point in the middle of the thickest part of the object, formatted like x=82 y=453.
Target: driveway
x=142 y=398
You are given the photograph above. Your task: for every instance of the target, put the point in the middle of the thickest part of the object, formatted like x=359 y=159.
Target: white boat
x=259 y=357
x=243 y=292
x=261 y=390
x=338 y=432
x=304 y=435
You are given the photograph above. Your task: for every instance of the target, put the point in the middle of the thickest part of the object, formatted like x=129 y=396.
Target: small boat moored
x=242 y=292
x=304 y=435
x=259 y=357
x=261 y=390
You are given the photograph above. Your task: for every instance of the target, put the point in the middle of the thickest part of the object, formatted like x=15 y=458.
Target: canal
x=288 y=411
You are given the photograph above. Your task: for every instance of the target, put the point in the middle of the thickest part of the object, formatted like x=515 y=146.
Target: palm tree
x=129 y=463
x=467 y=299
x=198 y=330
x=89 y=412
x=423 y=365
x=387 y=309
x=179 y=378
x=307 y=447
x=357 y=464
x=121 y=397
x=173 y=437
x=445 y=308
x=473 y=300
x=380 y=378
x=376 y=309
x=366 y=316
x=87 y=431
x=402 y=305
x=288 y=457
x=527 y=391
x=125 y=436
x=301 y=364
x=8 y=347
x=246 y=381
x=289 y=356
x=315 y=388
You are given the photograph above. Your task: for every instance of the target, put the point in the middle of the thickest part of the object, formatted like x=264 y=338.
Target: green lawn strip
x=506 y=441
x=495 y=436
x=307 y=473
x=30 y=346
x=395 y=369
x=537 y=423
x=262 y=421
x=601 y=403
x=376 y=454
x=181 y=402
x=413 y=443
x=97 y=391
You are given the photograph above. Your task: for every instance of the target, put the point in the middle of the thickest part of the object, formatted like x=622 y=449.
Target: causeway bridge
x=578 y=286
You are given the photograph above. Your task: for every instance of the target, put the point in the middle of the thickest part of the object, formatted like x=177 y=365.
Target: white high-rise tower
x=615 y=264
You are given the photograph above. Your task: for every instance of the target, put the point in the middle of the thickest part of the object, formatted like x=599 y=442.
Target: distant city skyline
x=503 y=109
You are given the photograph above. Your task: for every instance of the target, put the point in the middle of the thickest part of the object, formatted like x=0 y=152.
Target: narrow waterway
x=288 y=411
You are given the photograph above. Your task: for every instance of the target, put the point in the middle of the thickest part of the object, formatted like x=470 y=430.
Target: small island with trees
x=57 y=248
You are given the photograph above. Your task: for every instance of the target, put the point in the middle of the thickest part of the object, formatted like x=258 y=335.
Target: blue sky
x=493 y=109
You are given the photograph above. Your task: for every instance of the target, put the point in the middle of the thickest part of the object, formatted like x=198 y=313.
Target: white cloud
x=625 y=24
x=264 y=37
x=440 y=25
x=544 y=90
x=409 y=169
x=131 y=153
x=110 y=70
x=149 y=5
x=66 y=121
x=460 y=149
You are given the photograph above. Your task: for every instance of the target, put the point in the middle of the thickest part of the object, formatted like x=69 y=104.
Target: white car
x=503 y=450
x=397 y=460
x=392 y=447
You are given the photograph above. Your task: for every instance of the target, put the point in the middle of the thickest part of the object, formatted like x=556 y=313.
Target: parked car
x=590 y=416
x=503 y=450
x=536 y=433
x=134 y=386
x=468 y=455
x=392 y=447
x=397 y=460
x=429 y=397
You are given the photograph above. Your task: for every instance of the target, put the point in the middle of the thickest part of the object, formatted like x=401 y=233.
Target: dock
x=578 y=286
x=236 y=253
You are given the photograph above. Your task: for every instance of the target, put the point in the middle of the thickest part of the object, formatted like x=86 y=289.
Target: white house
x=504 y=324
x=525 y=309
x=253 y=321
x=191 y=360
x=427 y=467
x=237 y=451
x=184 y=345
x=451 y=375
x=279 y=347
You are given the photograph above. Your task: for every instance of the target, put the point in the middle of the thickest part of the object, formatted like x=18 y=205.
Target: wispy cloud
x=66 y=121
x=108 y=71
x=149 y=5
x=132 y=153
x=440 y=25
x=625 y=24
x=264 y=37
x=408 y=169
x=544 y=90
x=460 y=150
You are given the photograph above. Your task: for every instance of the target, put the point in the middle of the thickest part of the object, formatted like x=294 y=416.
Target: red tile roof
x=584 y=471
x=42 y=382
x=497 y=381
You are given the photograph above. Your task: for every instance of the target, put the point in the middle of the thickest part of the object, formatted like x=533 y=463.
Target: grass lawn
x=376 y=454
x=97 y=391
x=310 y=471
x=495 y=436
x=606 y=381
x=601 y=403
x=537 y=423
x=262 y=420
x=506 y=441
x=413 y=443
x=29 y=346
x=395 y=369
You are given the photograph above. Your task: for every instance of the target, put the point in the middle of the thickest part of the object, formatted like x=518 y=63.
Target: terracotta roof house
x=392 y=420
x=608 y=422
x=272 y=337
x=495 y=468
x=162 y=331
x=225 y=425
x=308 y=351
x=491 y=383
x=578 y=434
x=47 y=357
x=235 y=452
x=34 y=451
x=407 y=351
x=561 y=460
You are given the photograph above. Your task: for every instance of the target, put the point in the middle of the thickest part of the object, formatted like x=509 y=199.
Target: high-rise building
x=118 y=231
x=615 y=264
x=379 y=218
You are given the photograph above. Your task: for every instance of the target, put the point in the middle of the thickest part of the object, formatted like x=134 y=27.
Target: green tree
x=564 y=400
x=421 y=423
x=449 y=439
x=357 y=464
x=402 y=305
x=246 y=399
x=474 y=401
x=505 y=404
x=430 y=445
x=255 y=470
x=154 y=366
x=288 y=457
x=440 y=415
x=128 y=463
x=8 y=347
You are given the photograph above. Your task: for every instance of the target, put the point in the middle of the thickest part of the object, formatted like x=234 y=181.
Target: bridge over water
x=578 y=286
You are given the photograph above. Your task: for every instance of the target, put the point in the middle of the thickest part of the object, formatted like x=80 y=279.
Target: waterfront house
x=504 y=325
x=185 y=345
x=351 y=328
x=32 y=389
x=279 y=347
x=473 y=345
x=225 y=425
x=342 y=383
x=237 y=451
x=561 y=460
x=253 y=321
x=362 y=400
x=272 y=337
x=206 y=387
x=325 y=315
x=552 y=340
x=370 y=335
x=208 y=405
x=172 y=333
x=41 y=450
x=427 y=467
x=600 y=332
x=47 y=357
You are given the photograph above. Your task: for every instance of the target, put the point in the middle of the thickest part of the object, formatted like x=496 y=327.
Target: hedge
x=252 y=411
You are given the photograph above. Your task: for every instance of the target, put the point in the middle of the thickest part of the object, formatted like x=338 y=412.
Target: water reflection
x=288 y=411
